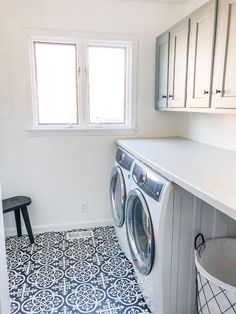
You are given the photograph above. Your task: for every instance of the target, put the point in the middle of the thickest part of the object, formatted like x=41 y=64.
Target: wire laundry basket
x=215 y=261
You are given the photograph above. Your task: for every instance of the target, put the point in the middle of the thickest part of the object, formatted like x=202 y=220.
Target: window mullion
x=79 y=85
x=84 y=87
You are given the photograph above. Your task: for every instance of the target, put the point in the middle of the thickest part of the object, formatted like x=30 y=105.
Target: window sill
x=48 y=131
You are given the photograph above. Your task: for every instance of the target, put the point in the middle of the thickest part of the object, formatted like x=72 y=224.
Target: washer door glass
x=140 y=232
x=118 y=196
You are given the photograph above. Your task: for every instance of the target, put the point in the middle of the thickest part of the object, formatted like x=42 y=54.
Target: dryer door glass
x=118 y=196
x=140 y=232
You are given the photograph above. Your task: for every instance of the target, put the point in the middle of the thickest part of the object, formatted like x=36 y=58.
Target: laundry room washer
x=149 y=217
x=119 y=189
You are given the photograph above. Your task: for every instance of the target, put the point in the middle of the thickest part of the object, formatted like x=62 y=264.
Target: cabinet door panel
x=179 y=38
x=201 y=48
x=224 y=86
x=162 y=65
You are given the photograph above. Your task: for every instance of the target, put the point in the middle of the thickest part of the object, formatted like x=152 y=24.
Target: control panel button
x=142 y=178
x=122 y=157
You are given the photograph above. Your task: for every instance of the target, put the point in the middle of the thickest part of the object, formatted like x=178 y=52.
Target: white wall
x=59 y=172
x=4 y=291
x=194 y=4
x=214 y=129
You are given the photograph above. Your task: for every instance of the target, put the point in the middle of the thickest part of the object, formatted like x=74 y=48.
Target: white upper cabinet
x=178 y=60
x=162 y=62
x=224 y=80
x=201 y=50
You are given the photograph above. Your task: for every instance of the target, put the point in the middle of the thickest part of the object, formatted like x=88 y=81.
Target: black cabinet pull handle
x=218 y=91
x=170 y=96
x=206 y=92
x=163 y=96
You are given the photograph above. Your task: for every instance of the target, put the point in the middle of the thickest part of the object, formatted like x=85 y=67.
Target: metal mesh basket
x=215 y=261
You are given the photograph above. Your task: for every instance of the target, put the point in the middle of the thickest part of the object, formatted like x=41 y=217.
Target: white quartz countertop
x=205 y=171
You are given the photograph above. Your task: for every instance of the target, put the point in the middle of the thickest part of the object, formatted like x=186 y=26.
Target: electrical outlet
x=84 y=207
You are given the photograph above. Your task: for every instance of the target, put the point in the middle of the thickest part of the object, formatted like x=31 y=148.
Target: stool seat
x=19 y=204
x=16 y=202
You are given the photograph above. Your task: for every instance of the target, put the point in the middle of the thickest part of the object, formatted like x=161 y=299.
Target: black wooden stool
x=17 y=204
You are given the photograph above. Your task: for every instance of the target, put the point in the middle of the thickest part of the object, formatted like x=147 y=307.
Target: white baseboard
x=62 y=227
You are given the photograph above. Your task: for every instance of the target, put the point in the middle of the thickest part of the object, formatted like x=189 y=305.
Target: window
x=107 y=90
x=55 y=68
x=83 y=83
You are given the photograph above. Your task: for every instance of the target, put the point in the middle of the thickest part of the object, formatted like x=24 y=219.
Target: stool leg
x=25 y=215
x=18 y=222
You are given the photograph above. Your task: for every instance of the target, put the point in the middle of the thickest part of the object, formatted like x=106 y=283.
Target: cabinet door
x=224 y=83
x=201 y=49
x=179 y=39
x=162 y=65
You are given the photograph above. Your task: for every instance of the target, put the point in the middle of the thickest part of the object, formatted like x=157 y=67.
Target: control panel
x=124 y=159
x=147 y=183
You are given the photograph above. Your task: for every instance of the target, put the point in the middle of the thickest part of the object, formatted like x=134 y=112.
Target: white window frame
x=83 y=41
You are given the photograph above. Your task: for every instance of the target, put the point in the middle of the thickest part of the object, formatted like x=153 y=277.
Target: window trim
x=82 y=42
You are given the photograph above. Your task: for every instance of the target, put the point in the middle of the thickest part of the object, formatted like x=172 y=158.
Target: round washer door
x=140 y=232
x=118 y=196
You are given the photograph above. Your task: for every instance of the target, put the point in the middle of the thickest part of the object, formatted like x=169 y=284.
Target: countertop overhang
x=206 y=171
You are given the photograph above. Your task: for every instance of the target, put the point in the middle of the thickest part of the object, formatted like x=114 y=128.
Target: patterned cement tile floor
x=83 y=275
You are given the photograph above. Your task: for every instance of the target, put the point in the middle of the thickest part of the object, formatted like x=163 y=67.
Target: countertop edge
x=204 y=196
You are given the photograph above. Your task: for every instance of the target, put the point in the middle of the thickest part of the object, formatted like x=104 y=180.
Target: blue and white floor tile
x=67 y=276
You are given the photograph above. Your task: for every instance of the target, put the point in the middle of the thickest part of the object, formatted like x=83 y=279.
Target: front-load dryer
x=149 y=215
x=119 y=189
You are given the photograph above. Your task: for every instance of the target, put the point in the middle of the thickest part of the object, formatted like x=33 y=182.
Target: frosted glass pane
x=56 y=83
x=107 y=84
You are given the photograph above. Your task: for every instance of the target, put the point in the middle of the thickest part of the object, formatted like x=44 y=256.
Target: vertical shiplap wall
x=191 y=216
